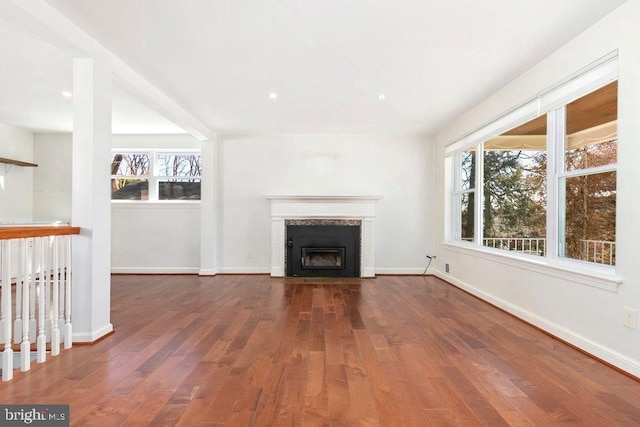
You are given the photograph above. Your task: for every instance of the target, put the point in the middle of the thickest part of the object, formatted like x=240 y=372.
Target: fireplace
x=323 y=248
x=360 y=209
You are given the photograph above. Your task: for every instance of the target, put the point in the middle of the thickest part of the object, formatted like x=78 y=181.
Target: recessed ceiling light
x=273 y=95
x=67 y=94
x=382 y=96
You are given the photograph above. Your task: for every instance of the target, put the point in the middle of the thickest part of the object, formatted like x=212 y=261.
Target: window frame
x=154 y=178
x=551 y=103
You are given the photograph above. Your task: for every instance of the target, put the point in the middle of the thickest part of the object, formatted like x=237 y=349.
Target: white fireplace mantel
x=323 y=207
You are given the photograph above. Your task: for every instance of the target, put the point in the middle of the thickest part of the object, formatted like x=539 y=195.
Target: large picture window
x=547 y=185
x=155 y=175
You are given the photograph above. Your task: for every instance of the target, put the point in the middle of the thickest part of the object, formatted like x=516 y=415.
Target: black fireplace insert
x=323 y=251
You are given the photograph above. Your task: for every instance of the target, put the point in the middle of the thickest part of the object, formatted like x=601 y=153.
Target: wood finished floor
x=252 y=350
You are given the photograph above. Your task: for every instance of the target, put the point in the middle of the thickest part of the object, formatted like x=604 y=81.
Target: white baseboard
x=85 y=337
x=251 y=270
x=404 y=271
x=244 y=270
x=601 y=352
x=154 y=270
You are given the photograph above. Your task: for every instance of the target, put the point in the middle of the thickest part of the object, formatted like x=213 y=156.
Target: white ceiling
x=327 y=60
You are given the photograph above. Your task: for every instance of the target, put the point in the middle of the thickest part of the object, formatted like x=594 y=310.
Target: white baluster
x=62 y=256
x=17 y=324
x=41 y=342
x=7 y=356
x=47 y=287
x=55 y=330
x=25 y=346
x=32 y=285
x=67 y=312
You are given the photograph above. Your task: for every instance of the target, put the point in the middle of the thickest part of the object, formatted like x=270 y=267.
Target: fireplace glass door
x=322 y=258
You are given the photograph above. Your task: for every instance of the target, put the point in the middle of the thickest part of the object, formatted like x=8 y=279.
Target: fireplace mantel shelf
x=323 y=206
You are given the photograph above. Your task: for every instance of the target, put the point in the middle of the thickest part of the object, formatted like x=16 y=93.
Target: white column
x=209 y=208
x=91 y=205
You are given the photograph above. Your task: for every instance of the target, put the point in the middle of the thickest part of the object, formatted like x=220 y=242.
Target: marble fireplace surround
x=323 y=207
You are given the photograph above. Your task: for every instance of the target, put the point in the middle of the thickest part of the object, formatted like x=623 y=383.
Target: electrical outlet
x=446 y=268
x=630 y=319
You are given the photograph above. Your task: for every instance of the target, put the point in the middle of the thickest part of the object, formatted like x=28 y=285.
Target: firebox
x=322 y=258
x=323 y=250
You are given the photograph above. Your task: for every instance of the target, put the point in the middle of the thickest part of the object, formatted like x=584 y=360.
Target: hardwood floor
x=252 y=350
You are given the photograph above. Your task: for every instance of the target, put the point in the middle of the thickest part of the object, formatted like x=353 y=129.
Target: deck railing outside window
x=597 y=251
x=535 y=246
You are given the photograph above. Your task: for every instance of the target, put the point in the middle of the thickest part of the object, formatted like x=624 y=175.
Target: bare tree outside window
x=179 y=165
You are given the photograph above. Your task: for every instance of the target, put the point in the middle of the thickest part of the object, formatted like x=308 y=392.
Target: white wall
x=396 y=168
x=16 y=182
x=586 y=316
x=52 y=177
x=155 y=237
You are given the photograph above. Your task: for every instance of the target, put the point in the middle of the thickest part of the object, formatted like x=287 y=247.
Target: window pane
x=590 y=217
x=130 y=164
x=467 y=209
x=182 y=189
x=592 y=134
x=514 y=189
x=179 y=164
x=129 y=189
x=467 y=170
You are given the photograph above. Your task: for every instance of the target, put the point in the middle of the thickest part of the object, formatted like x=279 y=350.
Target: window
x=130 y=176
x=155 y=175
x=465 y=194
x=178 y=176
x=514 y=189
x=587 y=180
x=545 y=186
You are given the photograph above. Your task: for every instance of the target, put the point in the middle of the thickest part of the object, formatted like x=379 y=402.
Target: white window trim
x=551 y=102
x=153 y=178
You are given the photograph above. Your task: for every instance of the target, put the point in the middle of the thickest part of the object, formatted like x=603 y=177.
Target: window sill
x=602 y=277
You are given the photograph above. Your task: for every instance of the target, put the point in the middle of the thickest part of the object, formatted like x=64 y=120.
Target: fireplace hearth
x=323 y=248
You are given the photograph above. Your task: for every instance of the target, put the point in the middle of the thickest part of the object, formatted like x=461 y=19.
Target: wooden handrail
x=17 y=162
x=39 y=231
